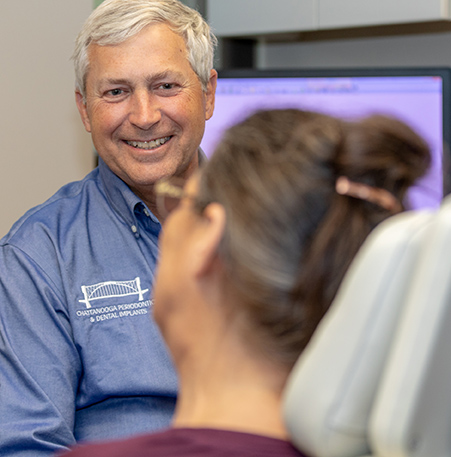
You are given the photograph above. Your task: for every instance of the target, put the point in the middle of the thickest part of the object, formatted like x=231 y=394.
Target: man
x=80 y=357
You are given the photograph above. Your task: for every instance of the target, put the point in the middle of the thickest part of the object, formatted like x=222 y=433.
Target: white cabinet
x=254 y=17
x=240 y=18
x=360 y=13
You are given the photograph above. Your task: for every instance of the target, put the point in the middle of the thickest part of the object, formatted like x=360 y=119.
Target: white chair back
x=331 y=390
x=412 y=414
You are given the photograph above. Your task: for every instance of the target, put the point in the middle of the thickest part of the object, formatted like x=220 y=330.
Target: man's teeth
x=148 y=144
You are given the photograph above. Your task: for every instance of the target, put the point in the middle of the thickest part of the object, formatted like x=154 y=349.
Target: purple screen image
x=416 y=100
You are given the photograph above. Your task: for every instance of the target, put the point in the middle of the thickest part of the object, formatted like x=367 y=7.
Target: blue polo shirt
x=80 y=355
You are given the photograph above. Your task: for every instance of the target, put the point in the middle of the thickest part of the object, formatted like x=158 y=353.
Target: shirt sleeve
x=39 y=362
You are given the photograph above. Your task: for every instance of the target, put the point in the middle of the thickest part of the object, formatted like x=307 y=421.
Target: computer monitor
x=418 y=96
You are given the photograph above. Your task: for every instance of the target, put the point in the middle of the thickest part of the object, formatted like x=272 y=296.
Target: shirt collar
x=119 y=195
x=122 y=199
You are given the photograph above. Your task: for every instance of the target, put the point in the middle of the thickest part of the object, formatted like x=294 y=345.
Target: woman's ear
x=209 y=234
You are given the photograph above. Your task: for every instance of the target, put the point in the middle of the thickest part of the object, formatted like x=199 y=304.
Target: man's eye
x=167 y=89
x=115 y=92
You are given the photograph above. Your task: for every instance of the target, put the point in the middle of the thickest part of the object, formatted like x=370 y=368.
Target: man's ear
x=209 y=234
x=81 y=105
x=210 y=94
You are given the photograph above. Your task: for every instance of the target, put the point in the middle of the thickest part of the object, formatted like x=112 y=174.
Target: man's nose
x=145 y=109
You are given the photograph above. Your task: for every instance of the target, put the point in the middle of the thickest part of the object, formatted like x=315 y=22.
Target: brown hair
x=289 y=235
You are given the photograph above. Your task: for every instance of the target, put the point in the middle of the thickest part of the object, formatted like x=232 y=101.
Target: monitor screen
x=419 y=97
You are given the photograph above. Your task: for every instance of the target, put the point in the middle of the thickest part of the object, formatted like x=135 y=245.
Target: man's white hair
x=115 y=21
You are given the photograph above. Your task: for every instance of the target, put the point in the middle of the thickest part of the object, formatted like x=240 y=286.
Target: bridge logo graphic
x=111 y=289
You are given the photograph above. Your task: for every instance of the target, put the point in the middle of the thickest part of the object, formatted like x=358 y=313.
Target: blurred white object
x=376 y=377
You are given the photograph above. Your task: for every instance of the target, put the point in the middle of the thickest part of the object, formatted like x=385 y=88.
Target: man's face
x=145 y=107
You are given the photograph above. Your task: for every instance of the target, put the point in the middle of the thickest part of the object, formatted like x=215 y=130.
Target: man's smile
x=148 y=144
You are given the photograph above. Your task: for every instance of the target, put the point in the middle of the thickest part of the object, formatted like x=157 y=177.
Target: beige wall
x=42 y=142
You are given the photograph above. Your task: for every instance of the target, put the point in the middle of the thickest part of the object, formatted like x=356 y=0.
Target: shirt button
x=146 y=212
x=134 y=229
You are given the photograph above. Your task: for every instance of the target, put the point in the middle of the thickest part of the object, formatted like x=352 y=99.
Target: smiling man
x=145 y=108
x=80 y=356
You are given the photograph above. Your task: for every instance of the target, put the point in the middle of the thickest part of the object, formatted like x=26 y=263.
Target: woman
x=251 y=259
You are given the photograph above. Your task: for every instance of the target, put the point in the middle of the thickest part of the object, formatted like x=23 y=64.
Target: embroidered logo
x=110 y=289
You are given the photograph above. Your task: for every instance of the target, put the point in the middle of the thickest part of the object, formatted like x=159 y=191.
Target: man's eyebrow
x=114 y=81
x=170 y=74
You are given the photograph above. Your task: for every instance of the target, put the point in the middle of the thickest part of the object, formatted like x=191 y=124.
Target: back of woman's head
x=290 y=236
x=383 y=152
